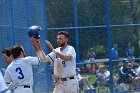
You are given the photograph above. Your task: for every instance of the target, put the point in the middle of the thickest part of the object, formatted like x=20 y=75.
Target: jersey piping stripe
x=51 y=58
x=4 y=91
x=39 y=60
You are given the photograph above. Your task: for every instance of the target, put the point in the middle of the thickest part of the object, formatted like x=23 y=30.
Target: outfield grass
x=92 y=76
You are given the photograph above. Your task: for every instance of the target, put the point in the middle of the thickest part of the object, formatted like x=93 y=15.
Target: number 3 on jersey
x=21 y=75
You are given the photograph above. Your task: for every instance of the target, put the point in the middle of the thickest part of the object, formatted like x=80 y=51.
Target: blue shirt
x=114 y=53
x=92 y=55
x=129 y=51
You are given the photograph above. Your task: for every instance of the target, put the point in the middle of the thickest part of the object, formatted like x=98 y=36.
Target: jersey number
x=64 y=63
x=21 y=76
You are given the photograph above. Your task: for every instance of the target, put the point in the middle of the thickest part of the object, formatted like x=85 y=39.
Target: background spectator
x=102 y=76
x=129 y=52
x=83 y=81
x=125 y=74
x=114 y=56
x=92 y=55
x=114 y=52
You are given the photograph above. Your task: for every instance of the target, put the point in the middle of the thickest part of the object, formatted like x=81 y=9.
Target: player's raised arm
x=36 y=44
x=60 y=55
x=65 y=57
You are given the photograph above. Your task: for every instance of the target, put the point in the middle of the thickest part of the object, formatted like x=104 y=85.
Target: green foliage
x=60 y=13
x=100 y=51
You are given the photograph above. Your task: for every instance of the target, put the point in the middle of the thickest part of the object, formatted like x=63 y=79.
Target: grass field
x=92 y=76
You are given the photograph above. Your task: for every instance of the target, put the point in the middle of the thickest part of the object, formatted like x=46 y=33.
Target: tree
x=135 y=9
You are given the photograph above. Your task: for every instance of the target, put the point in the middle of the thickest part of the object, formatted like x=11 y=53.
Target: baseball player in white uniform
x=64 y=59
x=3 y=86
x=7 y=55
x=19 y=73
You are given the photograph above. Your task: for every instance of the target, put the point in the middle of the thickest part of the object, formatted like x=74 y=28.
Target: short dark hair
x=63 y=33
x=16 y=50
x=7 y=51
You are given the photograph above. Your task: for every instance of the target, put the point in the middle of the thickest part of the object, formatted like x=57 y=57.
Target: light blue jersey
x=64 y=68
x=19 y=72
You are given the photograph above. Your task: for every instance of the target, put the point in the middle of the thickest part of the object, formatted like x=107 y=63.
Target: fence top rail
x=104 y=61
x=100 y=26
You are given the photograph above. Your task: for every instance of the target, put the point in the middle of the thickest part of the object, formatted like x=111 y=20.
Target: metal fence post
x=12 y=22
x=109 y=42
x=45 y=26
x=76 y=30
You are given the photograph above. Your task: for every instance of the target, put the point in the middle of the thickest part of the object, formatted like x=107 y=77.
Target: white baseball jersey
x=3 y=86
x=64 y=68
x=19 y=72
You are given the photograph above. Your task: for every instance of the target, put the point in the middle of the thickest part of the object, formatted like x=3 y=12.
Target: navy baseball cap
x=125 y=61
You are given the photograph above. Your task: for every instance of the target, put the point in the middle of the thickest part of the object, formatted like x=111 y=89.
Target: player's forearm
x=40 y=53
x=42 y=56
x=63 y=57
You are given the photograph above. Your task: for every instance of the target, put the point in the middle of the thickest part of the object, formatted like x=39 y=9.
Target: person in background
x=92 y=55
x=8 y=58
x=132 y=69
x=83 y=81
x=114 y=52
x=102 y=75
x=129 y=75
x=136 y=79
x=129 y=52
x=7 y=55
x=125 y=74
x=114 y=56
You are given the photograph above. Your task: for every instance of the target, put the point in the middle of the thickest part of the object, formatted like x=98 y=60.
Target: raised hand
x=35 y=43
x=49 y=45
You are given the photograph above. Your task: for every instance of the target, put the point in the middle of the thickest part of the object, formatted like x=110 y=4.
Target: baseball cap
x=125 y=61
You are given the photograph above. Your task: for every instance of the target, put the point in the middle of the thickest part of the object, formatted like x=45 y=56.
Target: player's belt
x=65 y=79
x=25 y=86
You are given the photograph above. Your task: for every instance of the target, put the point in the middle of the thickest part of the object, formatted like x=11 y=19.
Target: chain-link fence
x=92 y=24
x=16 y=17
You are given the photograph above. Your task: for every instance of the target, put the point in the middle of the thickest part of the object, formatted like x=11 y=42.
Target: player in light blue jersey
x=19 y=74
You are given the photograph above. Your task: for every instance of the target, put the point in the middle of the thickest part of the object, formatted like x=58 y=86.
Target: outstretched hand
x=49 y=45
x=35 y=42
